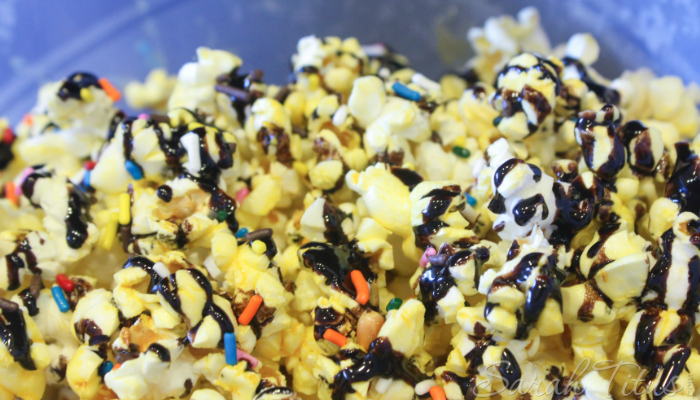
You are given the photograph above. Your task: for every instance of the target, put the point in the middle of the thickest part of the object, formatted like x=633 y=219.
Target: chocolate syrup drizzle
x=13 y=332
x=70 y=89
x=617 y=157
x=335 y=263
x=380 y=360
x=545 y=287
x=436 y=280
x=167 y=287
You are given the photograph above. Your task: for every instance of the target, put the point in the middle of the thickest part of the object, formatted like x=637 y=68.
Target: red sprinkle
x=8 y=136
x=65 y=283
x=242 y=194
x=89 y=165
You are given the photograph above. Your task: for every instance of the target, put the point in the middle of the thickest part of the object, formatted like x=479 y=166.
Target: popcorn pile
x=524 y=227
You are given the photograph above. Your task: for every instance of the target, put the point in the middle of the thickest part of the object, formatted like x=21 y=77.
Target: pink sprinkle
x=242 y=355
x=424 y=258
x=27 y=171
x=143 y=116
x=242 y=194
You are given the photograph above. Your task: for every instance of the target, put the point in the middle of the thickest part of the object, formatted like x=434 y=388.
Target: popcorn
x=153 y=93
x=603 y=149
x=363 y=232
x=522 y=194
x=525 y=94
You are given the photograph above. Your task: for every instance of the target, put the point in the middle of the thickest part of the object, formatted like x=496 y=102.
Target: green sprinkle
x=394 y=304
x=221 y=215
x=497 y=120
x=461 y=152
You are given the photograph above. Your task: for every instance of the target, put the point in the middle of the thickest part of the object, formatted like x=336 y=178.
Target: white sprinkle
x=191 y=143
x=340 y=114
x=478 y=167
x=211 y=267
x=161 y=269
x=427 y=84
x=382 y=385
x=424 y=387
x=469 y=213
x=374 y=50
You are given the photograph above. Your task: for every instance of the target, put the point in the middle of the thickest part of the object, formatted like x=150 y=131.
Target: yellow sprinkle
x=259 y=247
x=124 y=209
x=461 y=141
x=408 y=165
x=110 y=231
x=86 y=95
x=150 y=191
x=194 y=125
x=314 y=81
x=301 y=168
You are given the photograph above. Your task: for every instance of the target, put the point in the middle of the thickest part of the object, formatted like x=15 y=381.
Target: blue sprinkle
x=104 y=368
x=470 y=200
x=133 y=170
x=230 y=348
x=405 y=92
x=241 y=233
x=86 y=179
x=60 y=299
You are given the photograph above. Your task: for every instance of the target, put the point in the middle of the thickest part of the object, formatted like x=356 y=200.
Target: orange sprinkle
x=335 y=337
x=116 y=367
x=437 y=393
x=250 y=310
x=27 y=119
x=360 y=286
x=10 y=193
x=110 y=90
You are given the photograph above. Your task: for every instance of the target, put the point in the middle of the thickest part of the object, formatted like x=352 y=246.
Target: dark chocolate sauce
x=159 y=350
x=169 y=290
x=15 y=262
x=545 y=287
x=407 y=176
x=577 y=204
x=683 y=186
x=6 y=155
x=380 y=360
x=146 y=265
x=605 y=94
x=277 y=392
x=325 y=318
x=672 y=370
x=77 y=217
x=70 y=89
x=333 y=218
x=510 y=370
x=526 y=209
x=335 y=263
x=617 y=156
x=282 y=146
x=467 y=384
x=165 y=193
x=29 y=301
x=13 y=332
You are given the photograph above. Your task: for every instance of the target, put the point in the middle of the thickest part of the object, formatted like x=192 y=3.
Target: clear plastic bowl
x=47 y=40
